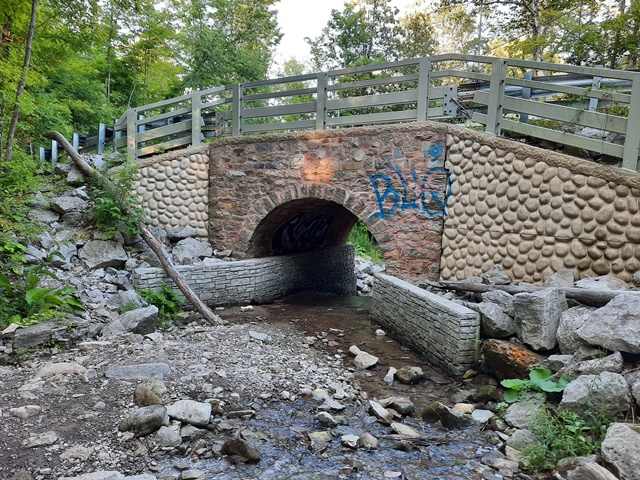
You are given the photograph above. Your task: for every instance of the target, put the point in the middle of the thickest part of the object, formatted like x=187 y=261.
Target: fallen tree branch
x=595 y=298
x=90 y=173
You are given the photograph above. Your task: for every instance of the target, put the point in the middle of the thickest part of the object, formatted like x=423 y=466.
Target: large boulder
x=501 y=298
x=190 y=251
x=509 y=360
x=570 y=321
x=605 y=282
x=146 y=420
x=190 y=411
x=616 y=326
x=621 y=450
x=606 y=393
x=140 y=320
x=103 y=254
x=537 y=317
x=523 y=414
x=495 y=322
x=65 y=205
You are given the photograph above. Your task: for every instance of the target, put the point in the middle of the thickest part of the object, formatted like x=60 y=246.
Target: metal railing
x=495 y=93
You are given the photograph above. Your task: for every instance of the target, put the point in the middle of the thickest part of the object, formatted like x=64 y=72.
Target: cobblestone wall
x=262 y=279
x=174 y=189
x=445 y=332
x=534 y=212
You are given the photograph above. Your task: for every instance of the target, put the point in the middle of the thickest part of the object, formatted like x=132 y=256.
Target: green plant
x=540 y=380
x=168 y=302
x=127 y=307
x=11 y=255
x=114 y=208
x=24 y=303
x=364 y=242
x=564 y=434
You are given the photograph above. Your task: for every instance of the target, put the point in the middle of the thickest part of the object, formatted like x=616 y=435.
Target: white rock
x=388 y=378
x=26 y=411
x=190 y=411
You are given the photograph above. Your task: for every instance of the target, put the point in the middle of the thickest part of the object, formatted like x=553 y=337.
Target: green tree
x=366 y=31
x=227 y=41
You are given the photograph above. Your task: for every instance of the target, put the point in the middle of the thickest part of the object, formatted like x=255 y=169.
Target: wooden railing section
x=496 y=94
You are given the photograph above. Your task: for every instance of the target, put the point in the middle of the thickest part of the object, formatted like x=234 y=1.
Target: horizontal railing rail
x=548 y=101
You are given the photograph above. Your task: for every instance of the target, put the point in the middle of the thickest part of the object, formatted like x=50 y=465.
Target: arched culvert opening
x=301 y=226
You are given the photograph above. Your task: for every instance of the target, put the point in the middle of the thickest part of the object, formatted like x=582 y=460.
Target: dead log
x=90 y=173
x=595 y=298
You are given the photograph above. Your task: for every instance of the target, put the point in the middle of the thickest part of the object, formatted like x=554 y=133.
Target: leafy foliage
x=366 y=245
x=22 y=301
x=114 y=208
x=540 y=380
x=564 y=434
x=364 y=32
x=169 y=303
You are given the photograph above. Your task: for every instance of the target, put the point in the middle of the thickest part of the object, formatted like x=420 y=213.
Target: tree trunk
x=596 y=298
x=145 y=233
x=23 y=78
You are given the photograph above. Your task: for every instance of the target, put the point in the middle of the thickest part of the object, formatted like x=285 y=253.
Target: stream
x=283 y=430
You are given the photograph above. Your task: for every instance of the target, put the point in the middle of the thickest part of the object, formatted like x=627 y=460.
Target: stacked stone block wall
x=445 y=332
x=174 y=188
x=262 y=279
x=533 y=212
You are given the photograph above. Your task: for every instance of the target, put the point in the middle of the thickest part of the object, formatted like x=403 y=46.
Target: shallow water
x=282 y=430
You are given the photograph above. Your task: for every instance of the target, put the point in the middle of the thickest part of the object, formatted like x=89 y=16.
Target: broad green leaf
x=511 y=396
x=540 y=373
x=513 y=383
x=34 y=295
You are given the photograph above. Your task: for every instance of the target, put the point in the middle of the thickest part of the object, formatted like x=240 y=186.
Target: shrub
x=564 y=434
x=114 y=208
x=366 y=246
x=23 y=302
x=167 y=301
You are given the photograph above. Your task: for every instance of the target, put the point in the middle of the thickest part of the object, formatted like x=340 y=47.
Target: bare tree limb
x=90 y=173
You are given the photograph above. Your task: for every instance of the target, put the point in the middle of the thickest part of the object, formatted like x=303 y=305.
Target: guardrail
x=498 y=94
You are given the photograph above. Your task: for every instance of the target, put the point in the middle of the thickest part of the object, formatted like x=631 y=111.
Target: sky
x=306 y=18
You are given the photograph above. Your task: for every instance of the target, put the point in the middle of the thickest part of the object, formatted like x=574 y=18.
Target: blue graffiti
x=416 y=194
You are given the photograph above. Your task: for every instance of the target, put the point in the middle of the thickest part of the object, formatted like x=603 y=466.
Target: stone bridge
x=440 y=200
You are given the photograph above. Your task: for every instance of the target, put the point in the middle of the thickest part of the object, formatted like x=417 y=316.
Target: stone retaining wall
x=533 y=212
x=445 y=332
x=174 y=189
x=262 y=279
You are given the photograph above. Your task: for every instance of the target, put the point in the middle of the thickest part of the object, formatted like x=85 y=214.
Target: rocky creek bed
x=278 y=377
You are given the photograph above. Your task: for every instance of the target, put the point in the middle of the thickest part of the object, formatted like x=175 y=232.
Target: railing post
x=102 y=130
x=526 y=95
x=43 y=155
x=196 y=119
x=321 y=101
x=496 y=96
x=236 y=112
x=424 y=79
x=132 y=142
x=54 y=151
x=595 y=84
x=75 y=141
x=632 y=139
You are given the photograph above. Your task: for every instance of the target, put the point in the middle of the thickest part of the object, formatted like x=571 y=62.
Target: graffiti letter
x=389 y=190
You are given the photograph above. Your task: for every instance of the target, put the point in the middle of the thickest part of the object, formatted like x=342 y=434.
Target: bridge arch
x=301 y=225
